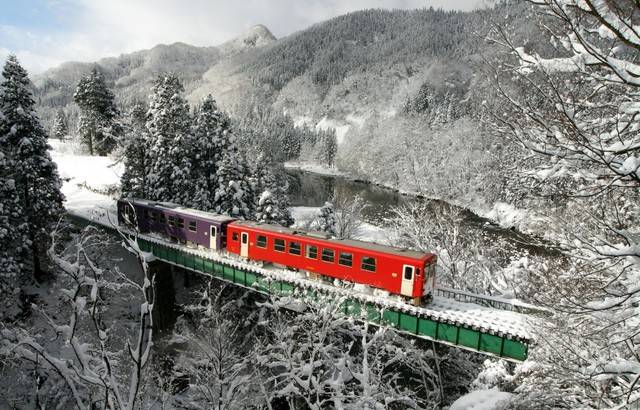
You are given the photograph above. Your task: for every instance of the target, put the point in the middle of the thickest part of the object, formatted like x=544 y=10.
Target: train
x=407 y=273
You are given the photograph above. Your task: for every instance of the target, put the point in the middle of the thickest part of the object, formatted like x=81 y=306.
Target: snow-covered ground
x=492 y=399
x=315 y=168
x=304 y=215
x=84 y=177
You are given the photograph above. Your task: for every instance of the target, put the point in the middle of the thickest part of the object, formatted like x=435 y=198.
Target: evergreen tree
x=266 y=132
x=171 y=146
x=326 y=221
x=11 y=217
x=36 y=180
x=60 y=130
x=212 y=138
x=233 y=195
x=328 y=147
x=99 y=128
x=272 y=204
x=135 y=152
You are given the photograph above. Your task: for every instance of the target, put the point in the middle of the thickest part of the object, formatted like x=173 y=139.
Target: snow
x=314 y=168
x=99 y=171
x=303 y=214
x=356 y=120
x=96 y=172
x=302 y=121
x=264 y=197
x=340 y=128
x=630 y=165
x=482 y=400
x=508 y=216
x=79 y=173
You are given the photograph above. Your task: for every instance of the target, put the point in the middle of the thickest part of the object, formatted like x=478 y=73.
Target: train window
x=408 y=272
x=278 y=245
x=311 y=252
x=172 y=220
x=193 y=226
x=328 y=255
x=145 y=214
x=345 y=259
x=368 y=263
x=163 y=219
x=261 y=242
x=180 y=223
x=234 y=236
x=154 y=216
x=295 y=248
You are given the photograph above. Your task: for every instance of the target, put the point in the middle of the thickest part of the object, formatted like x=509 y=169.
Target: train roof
x=354 y=243
x=170 y=206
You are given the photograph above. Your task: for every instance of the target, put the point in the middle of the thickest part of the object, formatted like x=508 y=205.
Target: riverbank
x=500 y=214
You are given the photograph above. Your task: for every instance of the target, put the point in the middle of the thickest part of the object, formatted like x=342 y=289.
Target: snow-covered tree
x=579 y=115
x=135 y=152
x=83 y=358
x=171 y=145
x=265 y=132
x=342 y=216
x=216 y=356
x=98 y=127
x=212 y=139
x=464 y=260
x=59 y=130
x=272 y=204
x=326 y=220
x=36 y=176
x=348 y=214
x=320 y=359
x=234 y=195
x=11 y=223
x=327 y=147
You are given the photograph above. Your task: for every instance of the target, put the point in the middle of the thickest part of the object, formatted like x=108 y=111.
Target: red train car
x=399 y=271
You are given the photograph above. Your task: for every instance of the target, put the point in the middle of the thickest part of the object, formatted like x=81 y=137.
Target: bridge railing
x=489 y=301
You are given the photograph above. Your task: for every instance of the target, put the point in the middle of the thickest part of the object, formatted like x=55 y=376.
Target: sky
x=45 y=33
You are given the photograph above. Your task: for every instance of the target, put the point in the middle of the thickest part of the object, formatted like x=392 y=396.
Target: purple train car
x=182 y=224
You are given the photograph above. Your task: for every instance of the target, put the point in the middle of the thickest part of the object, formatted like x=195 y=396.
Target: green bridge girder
x=418 y=325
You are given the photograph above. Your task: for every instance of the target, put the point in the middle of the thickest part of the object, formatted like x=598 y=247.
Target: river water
x=313 y=190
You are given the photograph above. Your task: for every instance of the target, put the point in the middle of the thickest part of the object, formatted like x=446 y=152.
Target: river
x=313 y=190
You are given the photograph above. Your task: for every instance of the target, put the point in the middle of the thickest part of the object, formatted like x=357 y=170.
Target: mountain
x=256 y=36
x=131 y=75
x=404 y=89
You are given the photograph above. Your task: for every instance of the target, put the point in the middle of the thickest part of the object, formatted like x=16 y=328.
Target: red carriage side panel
x=392 y=269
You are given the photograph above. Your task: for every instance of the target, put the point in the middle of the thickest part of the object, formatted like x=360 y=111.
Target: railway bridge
x=487 y=325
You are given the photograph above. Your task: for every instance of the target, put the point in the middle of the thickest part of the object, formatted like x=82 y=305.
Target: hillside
x=402 y=89
x=131 y=74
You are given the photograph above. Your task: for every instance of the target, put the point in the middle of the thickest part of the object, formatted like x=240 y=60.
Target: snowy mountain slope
x=403 y=89
x=131 y=74
x=256 y=36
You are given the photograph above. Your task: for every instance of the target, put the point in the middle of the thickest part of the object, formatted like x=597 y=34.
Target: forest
x=523 y=116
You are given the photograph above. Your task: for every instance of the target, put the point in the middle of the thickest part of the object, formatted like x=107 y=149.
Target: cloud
x=88 y=30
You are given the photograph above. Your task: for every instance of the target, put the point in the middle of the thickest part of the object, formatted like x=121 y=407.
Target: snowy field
x=85 y=178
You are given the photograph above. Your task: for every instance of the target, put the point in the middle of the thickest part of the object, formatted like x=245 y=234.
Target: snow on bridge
x=501 y=331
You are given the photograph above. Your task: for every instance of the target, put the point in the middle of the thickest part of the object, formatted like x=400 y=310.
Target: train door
x=213 y=238
x=408 y=273
x=244 y=244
